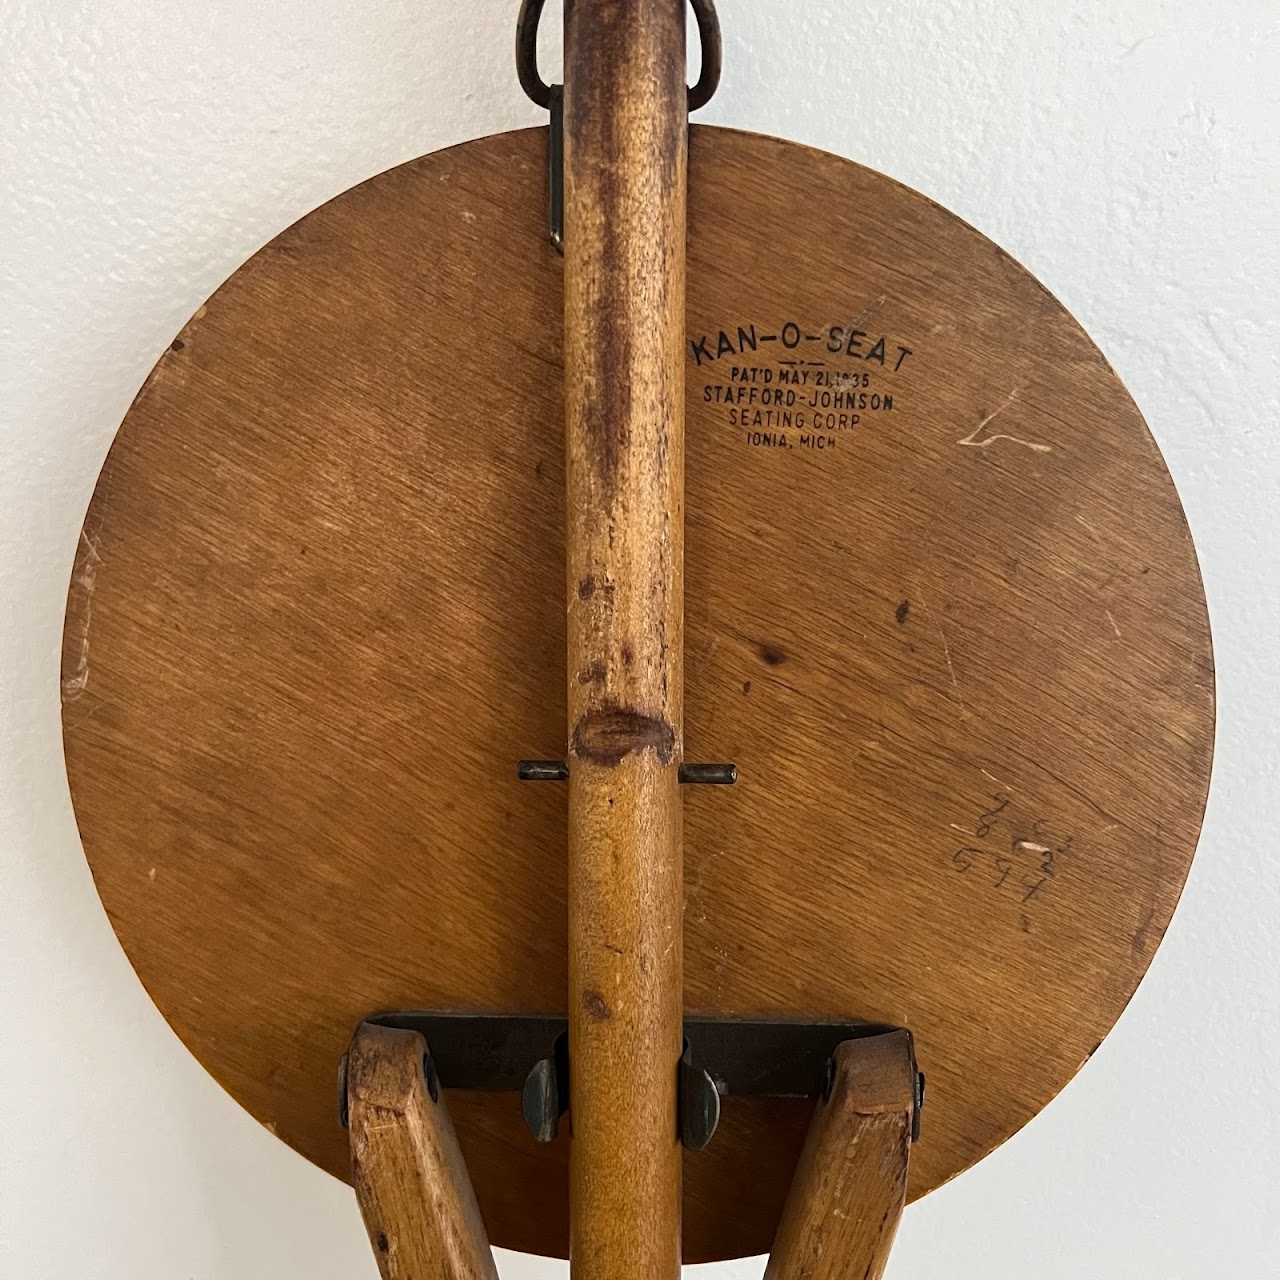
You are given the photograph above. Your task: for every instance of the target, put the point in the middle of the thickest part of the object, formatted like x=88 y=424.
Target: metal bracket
x=529 y=1054
x=555 y=162
x=539 y=92
x=551 y=96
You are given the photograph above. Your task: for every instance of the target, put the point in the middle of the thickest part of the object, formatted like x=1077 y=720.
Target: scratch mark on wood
x=867 y=312
x=946 y=651
x=1030 y=846
x=85 y=579
x=972 y=438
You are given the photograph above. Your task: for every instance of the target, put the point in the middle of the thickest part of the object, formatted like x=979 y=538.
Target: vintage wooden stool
x=780 y=476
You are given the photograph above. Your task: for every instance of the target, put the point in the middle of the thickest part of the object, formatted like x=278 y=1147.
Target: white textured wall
x=1127 y=153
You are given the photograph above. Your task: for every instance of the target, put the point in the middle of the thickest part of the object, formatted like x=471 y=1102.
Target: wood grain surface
x=626 y=124
x=850 y=1185
x=415 y=1194
x=959 y=654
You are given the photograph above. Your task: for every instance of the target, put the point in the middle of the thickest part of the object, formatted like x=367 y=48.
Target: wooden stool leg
x=850 y=1186
x=414 y=1191
x=626 y=124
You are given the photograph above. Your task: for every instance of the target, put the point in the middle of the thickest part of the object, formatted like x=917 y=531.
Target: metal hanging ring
x=704 y=12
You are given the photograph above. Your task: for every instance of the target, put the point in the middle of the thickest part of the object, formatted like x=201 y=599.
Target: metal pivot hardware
x=715 y=775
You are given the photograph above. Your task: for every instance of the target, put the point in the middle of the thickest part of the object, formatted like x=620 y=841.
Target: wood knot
x=607 y=735
x=595 y=1006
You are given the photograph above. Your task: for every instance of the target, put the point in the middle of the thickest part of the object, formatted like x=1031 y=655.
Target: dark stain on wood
x=901 y=612
x=771 y=654
x=621 y=290
x=606 y=400
x=1141 y=937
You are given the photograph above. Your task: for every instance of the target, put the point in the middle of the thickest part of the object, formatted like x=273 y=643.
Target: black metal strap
x=529 y=1054
x=704 y=12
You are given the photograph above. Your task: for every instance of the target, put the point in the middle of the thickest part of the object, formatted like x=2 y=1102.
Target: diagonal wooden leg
x=414 y=1191
x=850 y=1186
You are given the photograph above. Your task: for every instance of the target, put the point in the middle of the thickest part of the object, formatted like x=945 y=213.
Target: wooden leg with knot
x=850 y=1186
x=414 y=1191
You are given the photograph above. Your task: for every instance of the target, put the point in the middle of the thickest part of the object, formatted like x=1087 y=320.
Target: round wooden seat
x=942 y=611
